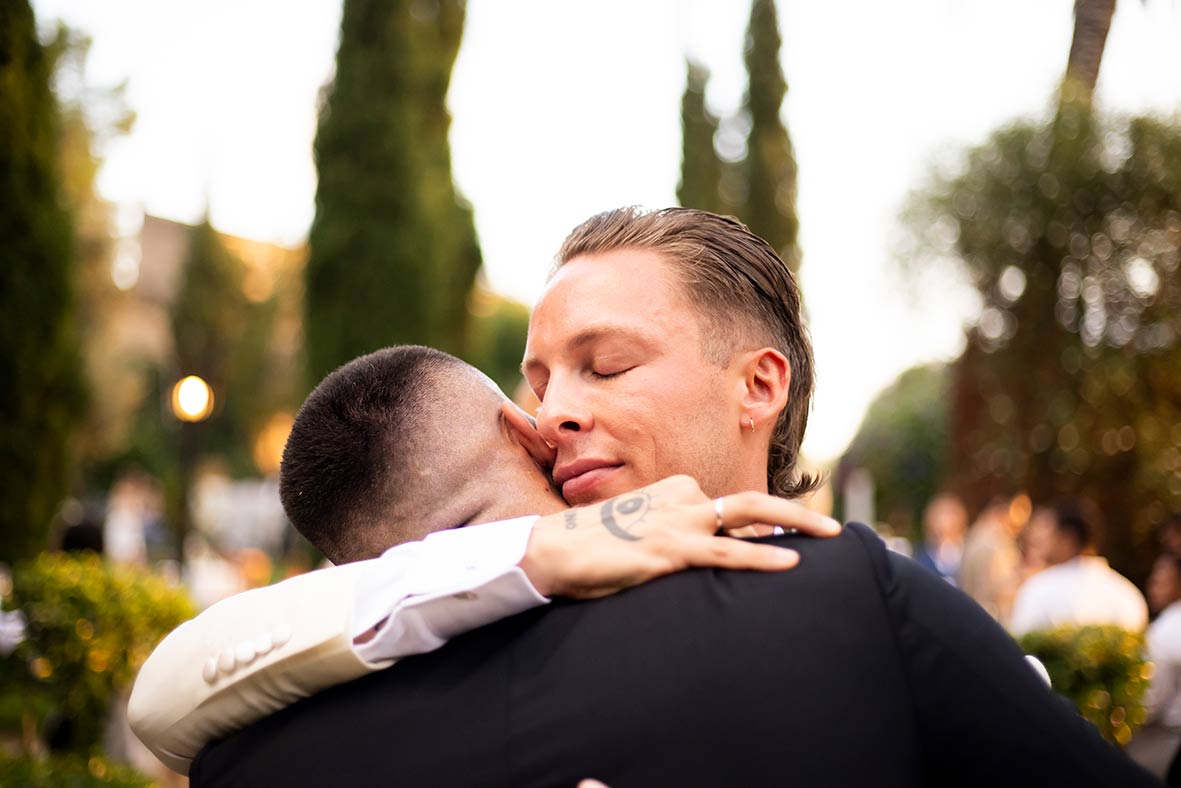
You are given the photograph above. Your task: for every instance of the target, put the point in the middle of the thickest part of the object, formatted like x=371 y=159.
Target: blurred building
x=149 y=264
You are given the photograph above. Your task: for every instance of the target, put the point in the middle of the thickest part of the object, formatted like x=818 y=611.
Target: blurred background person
x=133 y=500
x=1078 y=587
x=1155 y=744
x=1034 y=542
x=1169 y=535
x=86 y=535
x=990 y=570
x=945 y=521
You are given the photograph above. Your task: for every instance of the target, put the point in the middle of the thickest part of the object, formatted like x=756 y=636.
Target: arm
x=361 y=617
x=984 y=716
x=262 y=650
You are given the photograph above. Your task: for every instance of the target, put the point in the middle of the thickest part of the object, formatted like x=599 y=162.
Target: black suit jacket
x=856 y=668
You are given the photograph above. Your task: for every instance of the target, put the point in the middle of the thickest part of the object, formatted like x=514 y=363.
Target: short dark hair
x=1077 y=518
x=740 y=287
x=345 y=466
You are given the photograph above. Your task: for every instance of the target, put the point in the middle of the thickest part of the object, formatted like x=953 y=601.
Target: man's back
x=857 y=668
x=1083 y=590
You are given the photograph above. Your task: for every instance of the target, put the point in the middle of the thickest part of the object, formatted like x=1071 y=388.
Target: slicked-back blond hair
x=741 y=289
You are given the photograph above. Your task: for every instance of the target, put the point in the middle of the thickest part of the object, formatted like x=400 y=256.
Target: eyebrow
x=593 y=334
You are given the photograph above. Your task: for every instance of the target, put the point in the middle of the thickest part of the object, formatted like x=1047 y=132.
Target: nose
x=564 y=411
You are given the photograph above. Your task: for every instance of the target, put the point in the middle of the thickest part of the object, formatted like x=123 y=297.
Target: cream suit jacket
x=246 y=657
x=262 y=650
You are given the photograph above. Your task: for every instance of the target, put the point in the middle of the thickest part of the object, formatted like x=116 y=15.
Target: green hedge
x=91 y=624
x=70 y=771
x=1101 y=669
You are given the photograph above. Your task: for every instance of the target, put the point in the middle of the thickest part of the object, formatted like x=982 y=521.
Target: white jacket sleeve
x=259 y=651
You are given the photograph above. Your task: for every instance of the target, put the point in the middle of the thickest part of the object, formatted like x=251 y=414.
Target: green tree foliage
x=1071 y=233
x=41 y=390
x=902 y=442
x=393 y=249
x=701 y=167
x=769 y=168
x=90 y=117
x=496 y=338
x=760 y=186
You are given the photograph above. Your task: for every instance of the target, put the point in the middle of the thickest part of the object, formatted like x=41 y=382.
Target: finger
x=749 y=508
x=591 y=784
x=527 y=435
x=723 y=552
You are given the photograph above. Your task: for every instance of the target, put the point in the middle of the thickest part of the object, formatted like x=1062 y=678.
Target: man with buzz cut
x=671 y=342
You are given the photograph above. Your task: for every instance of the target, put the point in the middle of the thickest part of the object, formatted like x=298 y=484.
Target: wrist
x=538 y=561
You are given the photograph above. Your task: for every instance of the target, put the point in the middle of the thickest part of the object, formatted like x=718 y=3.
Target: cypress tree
x=41 y=391
x=210 y=314
x=701 y=169
x=393 y=250
x=770 y=165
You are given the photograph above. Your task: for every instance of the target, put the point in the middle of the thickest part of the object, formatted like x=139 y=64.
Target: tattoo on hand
x=630 y=511
x=571 y=520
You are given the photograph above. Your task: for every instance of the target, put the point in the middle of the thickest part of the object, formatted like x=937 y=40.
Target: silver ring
x=719 y=506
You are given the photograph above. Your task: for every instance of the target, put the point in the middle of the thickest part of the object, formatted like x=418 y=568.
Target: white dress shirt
x=1083 y=590
x=425 y=593
x=1164 y=651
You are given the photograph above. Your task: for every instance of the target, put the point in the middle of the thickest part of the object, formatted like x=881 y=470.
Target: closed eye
x=609 y=375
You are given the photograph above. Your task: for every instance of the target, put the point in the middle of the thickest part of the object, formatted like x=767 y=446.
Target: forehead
x=626 y=290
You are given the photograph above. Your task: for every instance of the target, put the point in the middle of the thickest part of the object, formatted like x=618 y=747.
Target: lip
x=578 y=477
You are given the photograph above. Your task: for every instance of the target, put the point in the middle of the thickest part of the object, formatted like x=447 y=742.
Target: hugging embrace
x=675 y=376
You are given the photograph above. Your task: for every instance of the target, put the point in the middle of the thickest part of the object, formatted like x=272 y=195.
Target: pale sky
x=564 y=109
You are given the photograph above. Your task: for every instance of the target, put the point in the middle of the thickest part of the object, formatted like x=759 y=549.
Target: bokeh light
x=192 y=399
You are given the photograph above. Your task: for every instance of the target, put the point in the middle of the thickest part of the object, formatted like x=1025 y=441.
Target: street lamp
x=192 y=402
x=192 y=399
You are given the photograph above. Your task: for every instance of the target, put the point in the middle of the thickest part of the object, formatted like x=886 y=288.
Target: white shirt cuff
x=452 y=582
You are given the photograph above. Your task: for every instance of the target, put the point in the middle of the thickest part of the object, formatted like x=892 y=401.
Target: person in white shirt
x=1156 y=744
x=1078 y=587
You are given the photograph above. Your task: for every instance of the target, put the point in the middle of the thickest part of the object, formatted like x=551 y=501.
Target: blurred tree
x=496 y=337
x=209 y=315
x=759 y=186
x=393 y=249
x=41 y=389
x=223 y=336
x=1092 y=23
x=1071 y=232
x=769 y=169
x=902 y=442
x=701 y=167
x=90 y=117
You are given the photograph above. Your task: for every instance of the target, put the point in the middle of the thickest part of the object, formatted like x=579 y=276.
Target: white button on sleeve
x=244 y=653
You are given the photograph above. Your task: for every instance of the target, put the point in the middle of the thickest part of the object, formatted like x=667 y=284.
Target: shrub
x=91 y=625
x=1101 y=669
x=69 y=771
